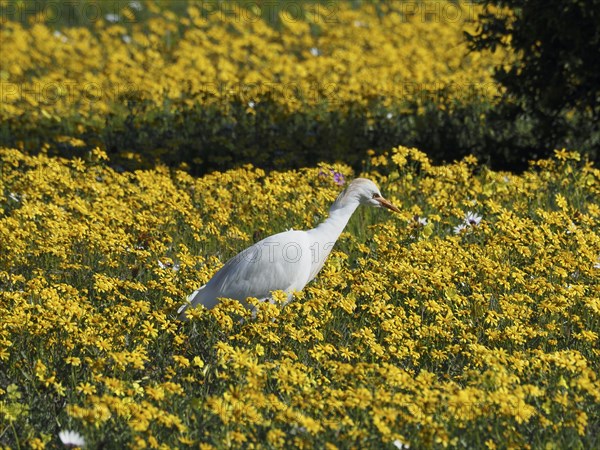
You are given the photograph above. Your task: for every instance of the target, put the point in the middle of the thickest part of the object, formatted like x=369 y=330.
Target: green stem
x=16 y=437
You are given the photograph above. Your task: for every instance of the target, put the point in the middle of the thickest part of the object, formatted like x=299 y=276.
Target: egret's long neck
x=324 y=236
x=330 y=229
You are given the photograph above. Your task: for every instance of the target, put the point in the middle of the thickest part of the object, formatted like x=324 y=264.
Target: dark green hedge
x=219 y=137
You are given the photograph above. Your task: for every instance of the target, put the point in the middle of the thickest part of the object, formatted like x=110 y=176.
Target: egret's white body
x=286 y=261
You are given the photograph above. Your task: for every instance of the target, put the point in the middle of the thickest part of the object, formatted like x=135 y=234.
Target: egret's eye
x=376 y=195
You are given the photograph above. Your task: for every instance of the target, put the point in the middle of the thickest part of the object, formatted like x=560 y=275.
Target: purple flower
x=338 y=178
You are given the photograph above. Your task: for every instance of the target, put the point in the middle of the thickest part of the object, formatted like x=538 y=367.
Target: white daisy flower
x=136 y=5
x=422 y=221
x=71 y=439
x=112 y=18
x=457 y=229
x=58 y=35
x=168 y=265
x=472 y=218
x=399 y=444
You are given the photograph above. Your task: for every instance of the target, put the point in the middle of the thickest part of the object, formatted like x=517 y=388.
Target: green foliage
x=206 y=138
x=555 y=80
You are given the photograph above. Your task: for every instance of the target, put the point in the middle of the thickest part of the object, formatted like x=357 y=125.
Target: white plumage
x=286 y=261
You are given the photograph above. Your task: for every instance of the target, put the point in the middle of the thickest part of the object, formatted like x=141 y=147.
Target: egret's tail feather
x=191 y=302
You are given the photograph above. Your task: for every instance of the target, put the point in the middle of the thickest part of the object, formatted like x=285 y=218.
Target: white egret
x=286 y=261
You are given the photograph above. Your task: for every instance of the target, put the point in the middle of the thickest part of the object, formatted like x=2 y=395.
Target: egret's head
x=364 y=192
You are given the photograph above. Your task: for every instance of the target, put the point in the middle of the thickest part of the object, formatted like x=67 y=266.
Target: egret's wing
x=279 y=262
x=323 y=242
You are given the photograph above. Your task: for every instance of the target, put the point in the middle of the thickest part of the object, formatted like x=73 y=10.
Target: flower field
x=423 y=329
x=213 y=83
x=331 y=53
x=469 y=320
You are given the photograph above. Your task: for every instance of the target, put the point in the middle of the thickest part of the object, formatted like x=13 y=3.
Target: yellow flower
x=86 y=388
x=73 y=361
